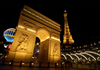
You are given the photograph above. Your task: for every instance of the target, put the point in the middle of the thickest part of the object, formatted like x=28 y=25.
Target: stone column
x=22 y=46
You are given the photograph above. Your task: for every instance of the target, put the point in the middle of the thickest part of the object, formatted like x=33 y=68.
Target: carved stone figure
x=23 y=42
x=55 y=49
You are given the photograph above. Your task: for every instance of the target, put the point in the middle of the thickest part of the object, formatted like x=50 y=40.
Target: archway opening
x=40 y=46
x=43 y=34
x=36 y=48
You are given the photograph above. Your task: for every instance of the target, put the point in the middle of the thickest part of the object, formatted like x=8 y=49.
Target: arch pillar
x=54 y=51
x=49 y=51
x=22 y=46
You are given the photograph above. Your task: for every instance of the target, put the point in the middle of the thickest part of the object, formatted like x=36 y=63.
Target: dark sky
x=83 y=22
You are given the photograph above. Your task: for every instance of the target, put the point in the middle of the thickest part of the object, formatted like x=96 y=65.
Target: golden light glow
x=20 y=26
x=26 y=28
x=57 y=63
x=33 y=57
x=64 y=41
x=22 y=63
x=9 y=62
x=45 y=39
x=8 y=35
x=32 y=63
x=55 y=38
x=31 y=30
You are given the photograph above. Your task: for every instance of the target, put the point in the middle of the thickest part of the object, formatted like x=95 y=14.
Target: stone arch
x=33 y=24
x=42 y=34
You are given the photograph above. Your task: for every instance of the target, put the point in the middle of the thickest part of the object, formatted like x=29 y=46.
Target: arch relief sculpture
x=23 y=42
x=55 y=49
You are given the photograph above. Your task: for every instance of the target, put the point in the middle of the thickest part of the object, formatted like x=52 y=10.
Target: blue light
x=9 y=34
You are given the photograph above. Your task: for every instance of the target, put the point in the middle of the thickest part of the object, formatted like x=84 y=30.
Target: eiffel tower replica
x=67 y=37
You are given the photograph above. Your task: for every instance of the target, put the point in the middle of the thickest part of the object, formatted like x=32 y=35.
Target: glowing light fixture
x=62 y=62
x=23 y=63
x=37 y=50
x=9 y=62
x=32 y=63
x=5 y=46
x=33 y=57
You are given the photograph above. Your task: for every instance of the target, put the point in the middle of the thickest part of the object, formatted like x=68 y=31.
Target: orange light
x=31 y=30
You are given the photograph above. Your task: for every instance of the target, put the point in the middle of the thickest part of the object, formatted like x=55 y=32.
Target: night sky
x=83 y=22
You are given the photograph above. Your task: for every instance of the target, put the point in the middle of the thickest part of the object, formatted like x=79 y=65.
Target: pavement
x=7 y=67
x=73 y=67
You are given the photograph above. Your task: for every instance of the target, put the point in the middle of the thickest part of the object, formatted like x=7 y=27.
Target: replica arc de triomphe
x=33 y=24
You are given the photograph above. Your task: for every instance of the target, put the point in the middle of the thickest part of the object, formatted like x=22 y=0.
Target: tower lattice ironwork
x=67 y=37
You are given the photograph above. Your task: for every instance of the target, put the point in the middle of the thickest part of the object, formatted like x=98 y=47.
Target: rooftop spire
x=67 y=37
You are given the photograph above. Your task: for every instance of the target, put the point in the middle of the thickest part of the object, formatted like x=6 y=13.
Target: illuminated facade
x=33 y=24
x=67 y=37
